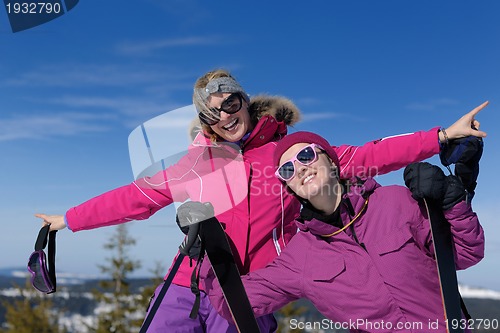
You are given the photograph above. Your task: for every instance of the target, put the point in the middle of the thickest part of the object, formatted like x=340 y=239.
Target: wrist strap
x=52 y=258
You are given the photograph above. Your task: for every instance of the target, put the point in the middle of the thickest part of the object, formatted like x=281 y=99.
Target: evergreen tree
x=32 y=312
x=122 y=312
x=147 y=292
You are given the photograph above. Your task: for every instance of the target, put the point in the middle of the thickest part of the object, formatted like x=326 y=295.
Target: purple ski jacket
x=257 y=211
x=386 y=281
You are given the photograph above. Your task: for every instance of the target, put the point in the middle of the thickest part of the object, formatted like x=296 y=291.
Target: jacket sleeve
x=468 y=235
x=268 y=289
x=136 y=201
x=117 y=206
x=388 y=154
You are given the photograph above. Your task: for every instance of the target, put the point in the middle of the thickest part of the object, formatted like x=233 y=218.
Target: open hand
x=56 y=222
x=465 y=126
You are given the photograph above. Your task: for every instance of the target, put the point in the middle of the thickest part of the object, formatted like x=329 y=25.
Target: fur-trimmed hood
x=280 y=108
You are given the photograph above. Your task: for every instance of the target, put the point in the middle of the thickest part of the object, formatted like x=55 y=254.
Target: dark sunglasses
x=230 y=105
x=305 y=156
x=43 y=276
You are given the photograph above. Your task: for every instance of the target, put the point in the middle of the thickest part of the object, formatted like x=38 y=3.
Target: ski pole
x=445 y=263
x=188 y=242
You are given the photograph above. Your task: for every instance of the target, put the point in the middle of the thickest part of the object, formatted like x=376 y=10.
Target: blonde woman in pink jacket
x=229 y=164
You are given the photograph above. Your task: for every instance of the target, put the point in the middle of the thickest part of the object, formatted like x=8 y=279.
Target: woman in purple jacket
x=364 y=256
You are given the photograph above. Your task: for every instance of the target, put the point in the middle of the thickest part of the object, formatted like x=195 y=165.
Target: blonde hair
x=200 y=105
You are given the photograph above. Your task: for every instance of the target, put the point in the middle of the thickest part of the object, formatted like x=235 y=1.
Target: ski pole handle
x=190 y=239
x=189 y=216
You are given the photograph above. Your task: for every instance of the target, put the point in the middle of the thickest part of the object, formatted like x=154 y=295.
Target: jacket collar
x=267 y=129
x=356 y=196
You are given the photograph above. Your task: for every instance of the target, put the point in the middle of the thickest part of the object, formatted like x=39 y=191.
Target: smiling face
x=231 y=127
x=316 y=182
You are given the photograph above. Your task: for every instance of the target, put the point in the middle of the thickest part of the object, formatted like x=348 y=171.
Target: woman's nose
x=301 y=168
x=224 y=115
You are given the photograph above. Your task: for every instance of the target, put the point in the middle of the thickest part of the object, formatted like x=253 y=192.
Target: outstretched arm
x=120 y=205
x=388 y=154
x=392 y=153
x=136 y=201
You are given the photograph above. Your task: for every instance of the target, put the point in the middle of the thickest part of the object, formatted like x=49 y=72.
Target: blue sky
x=72 y=90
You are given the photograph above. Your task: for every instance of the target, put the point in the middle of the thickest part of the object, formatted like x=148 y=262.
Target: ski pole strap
x=195 y=283
x=196 y=291
x=52 y=258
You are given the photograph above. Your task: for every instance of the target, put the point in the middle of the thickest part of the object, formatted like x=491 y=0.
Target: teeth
x=308 y=178
x=231 y=124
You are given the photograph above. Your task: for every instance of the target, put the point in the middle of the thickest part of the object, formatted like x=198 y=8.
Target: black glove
x=425 y=181
x=428 y=181
x=190 y=213
x=465 y=153
x=455 y=192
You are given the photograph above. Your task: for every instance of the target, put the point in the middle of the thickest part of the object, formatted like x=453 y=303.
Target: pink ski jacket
x=239 y=181
x=382 y=278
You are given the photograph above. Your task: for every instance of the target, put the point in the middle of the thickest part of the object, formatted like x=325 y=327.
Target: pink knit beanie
x=303 y=137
